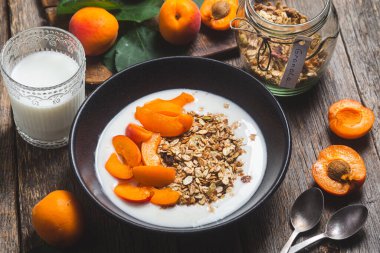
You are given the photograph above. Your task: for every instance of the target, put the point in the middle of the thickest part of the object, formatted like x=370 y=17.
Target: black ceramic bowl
x=179 y=72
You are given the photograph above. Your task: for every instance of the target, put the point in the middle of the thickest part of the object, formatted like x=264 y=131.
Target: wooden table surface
x=27 y=173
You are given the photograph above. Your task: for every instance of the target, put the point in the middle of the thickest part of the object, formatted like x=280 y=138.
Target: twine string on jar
x=266 y=40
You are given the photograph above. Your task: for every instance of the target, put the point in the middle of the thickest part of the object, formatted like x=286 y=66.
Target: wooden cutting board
x=208 y=43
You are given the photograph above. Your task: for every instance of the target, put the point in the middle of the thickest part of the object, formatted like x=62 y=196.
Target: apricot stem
x=339 y=170
x=220 y=9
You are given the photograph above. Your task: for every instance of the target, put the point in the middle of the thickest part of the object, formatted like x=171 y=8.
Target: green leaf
x=142 y=43
x=71 y=6
x=109 y=59
x=199 y=2
x=139 y=11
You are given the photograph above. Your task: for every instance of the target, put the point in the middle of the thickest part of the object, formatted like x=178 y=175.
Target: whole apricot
x=95 y=28
x=58 y=219
x=179 y=21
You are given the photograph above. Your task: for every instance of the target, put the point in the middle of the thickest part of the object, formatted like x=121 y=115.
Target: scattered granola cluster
x=250 y=45
x=205 y=159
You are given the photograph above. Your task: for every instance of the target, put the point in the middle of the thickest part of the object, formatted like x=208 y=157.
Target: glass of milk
x=43 y=70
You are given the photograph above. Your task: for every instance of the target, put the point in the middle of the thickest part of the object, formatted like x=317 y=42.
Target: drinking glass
x=43 y=115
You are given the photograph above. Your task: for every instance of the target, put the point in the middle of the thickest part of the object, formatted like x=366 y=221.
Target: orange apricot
x=179 y=21
x=182 y=99
x=164 y=107
x=149 y=151
x=132 y=193
x=339 y=170
x=125 y=147
x=58 y=219
x=117 y=168
x=157 y=176
x=165 y=197
x=349 y=119
x=186 y=120
x=217 y=14
x=167 y=126
x=137 y=133
x=95 y=28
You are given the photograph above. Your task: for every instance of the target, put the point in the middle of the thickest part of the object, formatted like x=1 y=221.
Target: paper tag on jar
x=296 y=61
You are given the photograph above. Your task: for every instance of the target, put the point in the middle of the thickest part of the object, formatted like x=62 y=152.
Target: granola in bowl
x=206 y=159
x=219 y=162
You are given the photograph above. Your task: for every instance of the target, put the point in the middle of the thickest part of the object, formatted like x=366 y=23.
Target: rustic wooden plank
x=9 y=236
x=266 y=230
x=51 y=15
x=210 y=42
x=361 y=37
x=49 y=3
x=42 y=171
x=360 y=32
x=307 y=116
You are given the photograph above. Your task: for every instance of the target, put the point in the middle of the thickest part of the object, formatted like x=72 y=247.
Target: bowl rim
x=185 y=230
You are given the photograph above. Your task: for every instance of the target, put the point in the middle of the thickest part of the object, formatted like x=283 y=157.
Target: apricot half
x=164 y=107
x=133 y=193
x=339 y=170
x=165 y=197
x=127 y=149
x=117 y=168
x=149 y=151
x=349 y=119
x=137 y=133
x=167 y=126
x=157 y=176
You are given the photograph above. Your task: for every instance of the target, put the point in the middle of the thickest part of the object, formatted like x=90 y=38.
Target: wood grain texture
x=361 y=36
x=9 y=236
x=266 y=229
x=49 y=3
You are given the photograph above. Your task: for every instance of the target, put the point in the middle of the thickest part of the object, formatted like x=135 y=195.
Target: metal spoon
x=344 y=223
x=305 y=214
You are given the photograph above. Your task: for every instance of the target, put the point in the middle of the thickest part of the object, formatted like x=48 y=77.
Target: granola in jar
x=266 y=51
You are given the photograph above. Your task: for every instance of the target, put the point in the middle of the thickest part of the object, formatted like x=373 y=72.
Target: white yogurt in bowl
x=181 y=216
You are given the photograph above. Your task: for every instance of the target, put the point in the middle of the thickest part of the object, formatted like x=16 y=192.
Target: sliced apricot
x=157 y=176
x=167 y=126
x=165 y=197
x=133 y=193
x=182 y=99
x=164 y=107
x=149 y=150
x=137 y=133
x=117 y=168
x=186 y=120
x=349 y=119
x=339 y=170
x=125 y=147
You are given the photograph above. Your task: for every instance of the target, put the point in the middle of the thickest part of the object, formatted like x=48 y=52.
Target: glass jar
x=286 y=46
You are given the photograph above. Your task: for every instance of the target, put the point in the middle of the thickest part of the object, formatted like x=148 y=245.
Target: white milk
x=188 y=216
x=50 y=122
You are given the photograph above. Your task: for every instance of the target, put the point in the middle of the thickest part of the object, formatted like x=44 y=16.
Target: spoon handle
x=289 y=243
x=306 y=243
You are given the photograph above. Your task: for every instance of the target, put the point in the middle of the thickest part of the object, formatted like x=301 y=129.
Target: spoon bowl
x=305 y=214
x=307 y=210
x=343 y=224
x=346 y=222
